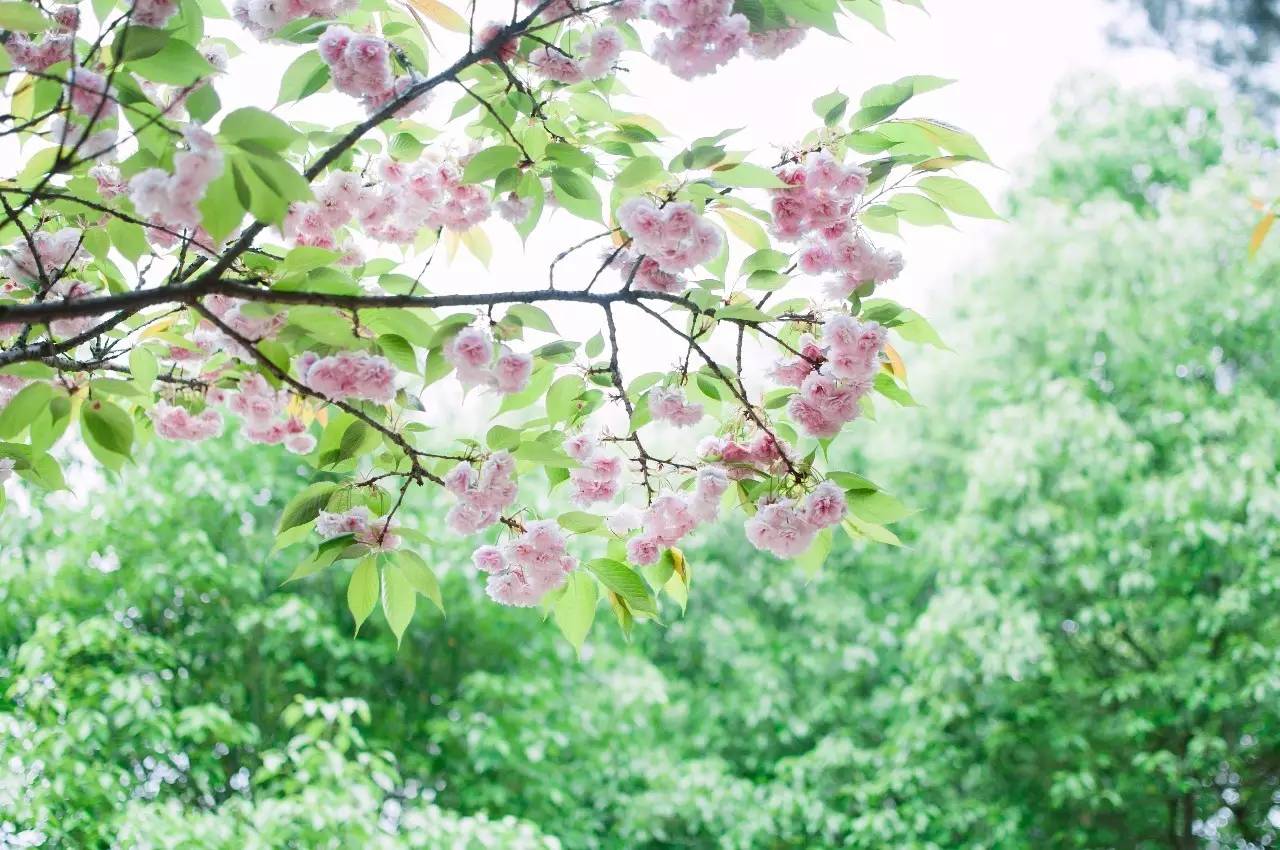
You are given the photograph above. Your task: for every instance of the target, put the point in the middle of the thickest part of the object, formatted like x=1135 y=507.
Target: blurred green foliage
x=1079 y=647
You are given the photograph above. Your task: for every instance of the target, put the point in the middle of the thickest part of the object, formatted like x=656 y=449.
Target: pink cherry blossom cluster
x=111 y=182
x=77 y=137
x=89 y=93
x=314 y=223
x=491 y=32
x=174 y=422
x=471 y=353
x=770 y=44
x=555 y=10
x=69 y=290
x=348 y=375
x=407 y=198
x=376 y=533
x=263 y=412
x=525 y=569
x=153 y=13
x=514 y=208
x=818 y=205
x=599 y=476
x=743 y=459
x=649 y=277
x=238 y=315
x=669 y=405
x=671 y=515
x=701 y=35
x=169 y=200
x=829 y=395
x=57 y=252
x=264 y=18
x=787 y=529
x=674 y=236
x=58 y=44
x=600 y=50
x=360 y=65
x=481 y=496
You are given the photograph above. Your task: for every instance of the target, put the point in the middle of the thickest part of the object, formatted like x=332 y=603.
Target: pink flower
x=670 y=405
x=153 y=13
x=675 y=236
x=825 y=506
x=506 y=50
x=580 y=446
x=532 y=565
x=642 y=550
x=489 y=559
x=780 y=529
x=482 y=497
x=470 y=352
x=300 y=444
x=511 y=372
x=177 y=423
x=352 y=374
x=330 y=525
x=256 y=402
x=89 y=92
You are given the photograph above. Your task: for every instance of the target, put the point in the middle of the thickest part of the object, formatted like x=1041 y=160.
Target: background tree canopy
x=1078 y=646
x=1238 y=37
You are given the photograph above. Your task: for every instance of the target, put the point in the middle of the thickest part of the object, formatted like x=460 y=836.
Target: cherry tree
x=174 y=269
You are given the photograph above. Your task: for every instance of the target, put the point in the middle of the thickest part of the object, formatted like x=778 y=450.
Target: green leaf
x=420 y=577
x=362 y=591
x=560 y=398
x=532 y=317
x=306 y=76
x=108 y=425
x=143 y=367
x=957 y=195
x=919 y=210
x=878 y=507
x=576 y=193
x=881 y=102
x=399 y=600
x=625 y=582
x=220 y=209
x=22 y=17
x=489 y=163
x=580 y=522
x=23 y=408
x=830 y=107
x=575 y=609
x=749 y=176
x=915 y=328
x=811 y=560
x=254 y=129
x=306 y=505
x=176 y=63
x=639 y=171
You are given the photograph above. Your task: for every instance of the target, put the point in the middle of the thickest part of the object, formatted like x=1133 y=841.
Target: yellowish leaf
x=746 y=229
x=477 y=242
x=1260 y=233
x=896 y=365
x=441 y=14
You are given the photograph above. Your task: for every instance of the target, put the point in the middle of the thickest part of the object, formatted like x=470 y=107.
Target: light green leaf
x=575 y=609
x=399 y=599
x=362 y=591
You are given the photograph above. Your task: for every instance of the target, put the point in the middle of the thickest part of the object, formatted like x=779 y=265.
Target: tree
x=161 y=274
x=1237 y=37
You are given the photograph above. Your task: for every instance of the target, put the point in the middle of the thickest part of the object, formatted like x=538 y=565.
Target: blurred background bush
x=1078 y=646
